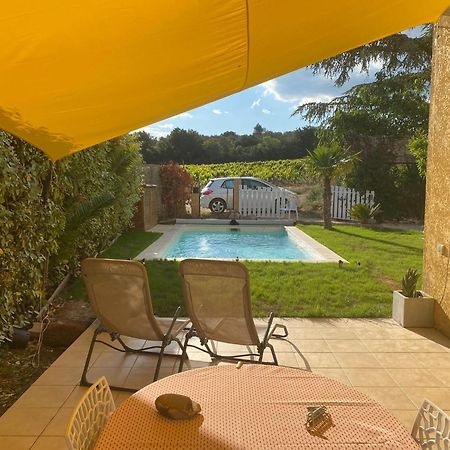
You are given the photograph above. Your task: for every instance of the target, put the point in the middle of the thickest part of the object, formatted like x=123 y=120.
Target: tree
x=327 y=163
x=391 y=110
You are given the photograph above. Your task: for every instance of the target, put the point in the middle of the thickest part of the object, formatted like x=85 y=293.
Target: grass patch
x=315 y=290
x=128 y=245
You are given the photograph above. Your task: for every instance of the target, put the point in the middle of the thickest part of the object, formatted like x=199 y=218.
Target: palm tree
x=326 y=163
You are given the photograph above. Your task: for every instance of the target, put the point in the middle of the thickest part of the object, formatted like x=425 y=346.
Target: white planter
x=413 y=312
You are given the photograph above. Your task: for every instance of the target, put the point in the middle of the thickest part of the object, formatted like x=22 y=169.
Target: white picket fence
x=263 y=202
x=342 y=200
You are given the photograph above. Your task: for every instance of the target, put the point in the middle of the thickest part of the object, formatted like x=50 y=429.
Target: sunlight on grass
x=302 y=289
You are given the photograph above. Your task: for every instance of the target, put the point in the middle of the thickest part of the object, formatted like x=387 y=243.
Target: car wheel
x=217 y=205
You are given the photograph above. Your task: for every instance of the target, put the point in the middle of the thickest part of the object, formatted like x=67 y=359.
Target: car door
x=227 y=187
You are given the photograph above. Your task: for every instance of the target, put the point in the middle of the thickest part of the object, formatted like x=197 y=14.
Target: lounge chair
x=90 y=416
x=120 y=296
x=217 y=298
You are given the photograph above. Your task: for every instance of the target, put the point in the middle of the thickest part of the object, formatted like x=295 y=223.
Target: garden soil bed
x=18 y=370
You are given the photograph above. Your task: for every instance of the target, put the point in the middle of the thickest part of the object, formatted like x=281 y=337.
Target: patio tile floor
x=395 y=366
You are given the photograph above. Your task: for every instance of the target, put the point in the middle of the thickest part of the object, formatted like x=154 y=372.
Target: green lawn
x=316 y=290
x=129 y=245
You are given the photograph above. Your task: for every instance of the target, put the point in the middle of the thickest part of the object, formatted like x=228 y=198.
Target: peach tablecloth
x=254 y=407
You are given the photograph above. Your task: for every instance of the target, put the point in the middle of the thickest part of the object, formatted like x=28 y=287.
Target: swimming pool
x=239 y=243
x=245 y=242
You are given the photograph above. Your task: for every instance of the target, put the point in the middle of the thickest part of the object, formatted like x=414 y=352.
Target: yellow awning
x=75 y=73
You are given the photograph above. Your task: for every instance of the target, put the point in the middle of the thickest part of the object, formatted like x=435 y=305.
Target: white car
x=217 y=195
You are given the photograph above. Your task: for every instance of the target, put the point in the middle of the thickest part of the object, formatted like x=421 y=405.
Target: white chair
x=431 y=428
x=90 y=416
x=291 y=207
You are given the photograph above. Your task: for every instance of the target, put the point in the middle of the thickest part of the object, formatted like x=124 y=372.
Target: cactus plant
x=409 y=283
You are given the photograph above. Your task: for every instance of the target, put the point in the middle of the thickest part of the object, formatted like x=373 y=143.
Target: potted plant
x=411 y=307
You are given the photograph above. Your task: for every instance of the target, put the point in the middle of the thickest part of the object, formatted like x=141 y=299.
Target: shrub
x=175 y=188
x=54 y=214
x=364 y=213
x=409 y=283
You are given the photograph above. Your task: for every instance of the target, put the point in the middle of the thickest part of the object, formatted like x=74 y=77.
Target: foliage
x=327 y=163
x=175 y=187
x=377 y=118
x=409 y=283
x=298 y=289
x=53 y=214
x=32 y=218
x=418 y=146
x=363 y=212
x=189 y=147
x=283 y=171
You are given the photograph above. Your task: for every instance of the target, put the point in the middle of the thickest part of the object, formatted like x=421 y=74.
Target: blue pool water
x=244 y=244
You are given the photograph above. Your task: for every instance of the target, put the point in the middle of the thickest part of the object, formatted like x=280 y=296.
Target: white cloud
x=272 y=87
x=314 y=99
x=184 y=115
x=166 y=125
x=219 y=111
x=157 y=132
x=256 y=103
x=266 y=111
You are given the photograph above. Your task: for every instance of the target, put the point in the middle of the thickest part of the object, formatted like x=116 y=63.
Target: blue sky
x=270 y=104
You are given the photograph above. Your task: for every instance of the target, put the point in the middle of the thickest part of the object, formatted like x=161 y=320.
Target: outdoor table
x=254 y=407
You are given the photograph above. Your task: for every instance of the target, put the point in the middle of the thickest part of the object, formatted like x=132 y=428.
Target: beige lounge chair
x=217 y=298
x=120 y=296
x=90 y=416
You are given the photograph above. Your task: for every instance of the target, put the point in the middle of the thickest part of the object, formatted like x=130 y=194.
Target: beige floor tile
x=50 y=443
x=414 y=377
x=192 y=364
x=319 y=360
x=120 y=397
x=424 y=345
x=389 y=397
x=198 y=356
x=339 y=333
x=434 y=360
x=405 y=417
x=152 y=360
x=114 y=358
x=114 y=376
x=356 y=360
x=58 y=425
x=75 y=397
x=369 y=377
x=17 y=442
x=284 y=359
x=442 y=375
x=432 y=334
x=76 y=358
x=304 y=333
x=397 y=360
x=173 y=348
x=346 y=346
x=310 y=346
x=387 y=345
x=140 y=377
x=439 y=396
x=282 y=345
x=335 y=374
x=60 y=376
x=25 y=421
x=48 y=396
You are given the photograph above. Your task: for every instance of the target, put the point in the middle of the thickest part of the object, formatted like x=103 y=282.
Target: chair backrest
x=432 y=427
x=120 y=296
x=90 y=416
x=217 y=298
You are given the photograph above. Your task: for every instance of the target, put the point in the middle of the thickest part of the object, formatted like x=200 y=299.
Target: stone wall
x=437 y=210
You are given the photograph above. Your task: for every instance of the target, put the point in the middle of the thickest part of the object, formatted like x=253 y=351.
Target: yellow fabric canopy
x=75 y=73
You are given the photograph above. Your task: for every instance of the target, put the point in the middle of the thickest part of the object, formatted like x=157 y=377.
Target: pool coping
x=156 y=250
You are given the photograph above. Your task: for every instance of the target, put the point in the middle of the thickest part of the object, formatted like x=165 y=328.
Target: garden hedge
x=54 y=214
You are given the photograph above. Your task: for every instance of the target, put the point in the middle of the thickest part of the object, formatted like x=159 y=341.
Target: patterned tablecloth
x=254 y=407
